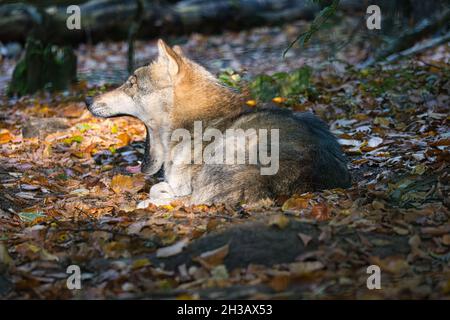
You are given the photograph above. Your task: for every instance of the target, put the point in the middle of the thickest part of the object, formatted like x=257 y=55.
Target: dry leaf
x=172 y=250
x=394 y=265
x=132 y=184
x=446 y=239
x=124 y=139
x=305 y=238
x=5 y=258
x=280 y=281
x=303 y=268
x=73 y=109
x=321 y=212
x=295 y=203
x=214 y=257
x=279 y=220
x=5 y=136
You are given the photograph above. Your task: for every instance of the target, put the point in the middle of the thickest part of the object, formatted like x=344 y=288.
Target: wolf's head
x=170 y=93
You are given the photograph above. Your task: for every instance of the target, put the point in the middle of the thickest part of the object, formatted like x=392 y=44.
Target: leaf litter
x=70 y=187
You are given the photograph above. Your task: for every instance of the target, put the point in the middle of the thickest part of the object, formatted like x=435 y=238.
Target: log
x=111 y=19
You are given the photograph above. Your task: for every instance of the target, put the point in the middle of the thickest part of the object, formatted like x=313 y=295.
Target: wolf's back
x=307 y=150
x=309 y=159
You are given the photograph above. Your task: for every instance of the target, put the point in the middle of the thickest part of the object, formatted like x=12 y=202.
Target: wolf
x=173 y=92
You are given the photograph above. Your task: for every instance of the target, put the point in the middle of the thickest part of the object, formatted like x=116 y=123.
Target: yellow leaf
x=168 y=207
x=420 y=169
x=251 y=103
x=139 y=263
x=279 y=99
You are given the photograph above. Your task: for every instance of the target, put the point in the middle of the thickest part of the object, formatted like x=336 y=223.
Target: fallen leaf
x=73 y=109
x=303 y=268
x=321 y=212
x=251 y=103
x=133 y=169
x=132 y=184
x=172 y=250
x=420 y=169
x=124 y=139
x=33 y=252
x=295 y=203
x=401 y=231
x=280 y=281
x=394 y=265
x=279 y=220
x=374 y=142
x=139 y=263
x=220 y=272
x=214 y=257
x=279 y=99
x=4 y=255
x=30 y=216
x=305 y=238
x=446 y=239
x=382 y=121
x=5 y=136
x=136 y=227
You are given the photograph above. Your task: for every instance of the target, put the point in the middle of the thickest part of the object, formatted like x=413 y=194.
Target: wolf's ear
x=178 y=50
x=170 y=57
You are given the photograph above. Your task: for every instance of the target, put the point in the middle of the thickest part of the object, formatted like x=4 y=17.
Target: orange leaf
x=124 y=139
x=442 y=142
x=280 y=281
x=73 y=109
x=279 y=99
x=295 y=203
x=131 y=184
x=5 y=136
x=321 y=212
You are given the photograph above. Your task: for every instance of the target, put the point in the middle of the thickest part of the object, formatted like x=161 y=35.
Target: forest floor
x=69 y=191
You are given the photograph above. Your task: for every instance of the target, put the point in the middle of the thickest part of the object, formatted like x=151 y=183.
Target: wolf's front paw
x=160 y=194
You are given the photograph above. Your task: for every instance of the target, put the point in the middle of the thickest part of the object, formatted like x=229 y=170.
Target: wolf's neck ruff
x=204 y=101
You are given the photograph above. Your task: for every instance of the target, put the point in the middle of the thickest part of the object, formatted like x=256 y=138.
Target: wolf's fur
x=173 y=92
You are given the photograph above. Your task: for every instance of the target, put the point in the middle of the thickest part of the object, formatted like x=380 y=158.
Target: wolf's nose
x=88 y=101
